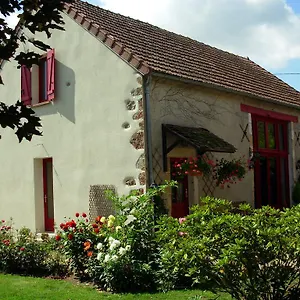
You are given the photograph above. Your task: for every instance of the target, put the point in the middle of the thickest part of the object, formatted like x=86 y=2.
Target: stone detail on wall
x=137 y=192
x=130 y=104
x=137 y=92
x=140 y=113
x=130 y=181
x=137 y=140
x=126 y=125
x=134 y=106
x=142 y=178
x=140 y=163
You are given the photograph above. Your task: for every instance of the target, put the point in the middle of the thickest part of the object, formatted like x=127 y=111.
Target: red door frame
x=268 y=154
x=180 y=209
x=49 y=222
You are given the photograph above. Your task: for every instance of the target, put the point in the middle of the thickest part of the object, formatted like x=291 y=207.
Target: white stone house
x=119 y=99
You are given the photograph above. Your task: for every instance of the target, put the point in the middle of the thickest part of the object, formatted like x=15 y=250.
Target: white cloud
x=268 y=31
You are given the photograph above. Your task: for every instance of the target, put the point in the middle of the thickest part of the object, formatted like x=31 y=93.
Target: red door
x=48 y=194
x=271 y=175
x=180 y=196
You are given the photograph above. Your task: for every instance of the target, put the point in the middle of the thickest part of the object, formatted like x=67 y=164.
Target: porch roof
x=200 y=138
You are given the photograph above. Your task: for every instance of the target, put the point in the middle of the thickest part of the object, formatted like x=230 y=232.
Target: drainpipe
x=148 y=126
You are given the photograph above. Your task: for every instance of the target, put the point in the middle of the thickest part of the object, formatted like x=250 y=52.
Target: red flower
x=70 y=236
x=90 y=253
x=62 y=225
x=96 y=230
x=3 y=221
x=86 y=220
x=58 y=237
x=77 y=215
x=95 y=225
x=84 y=215
x=6 y=242
x=22 y=249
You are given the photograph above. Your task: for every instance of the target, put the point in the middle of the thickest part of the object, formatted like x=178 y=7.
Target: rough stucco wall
x=189 y=105
x=91 y=133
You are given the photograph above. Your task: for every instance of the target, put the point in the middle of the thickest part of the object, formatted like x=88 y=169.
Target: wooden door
x=48 y=194
x=180 y=196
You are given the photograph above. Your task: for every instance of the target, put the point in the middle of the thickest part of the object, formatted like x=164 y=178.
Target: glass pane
x=49 y=182
x=281 y=136
x=271 y=135
x=261 y=134
x=178 y=193
x=273 y=181
x=263 y=180
x=283 y=181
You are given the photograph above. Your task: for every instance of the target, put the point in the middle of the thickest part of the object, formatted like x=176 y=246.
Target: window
x=42 y=81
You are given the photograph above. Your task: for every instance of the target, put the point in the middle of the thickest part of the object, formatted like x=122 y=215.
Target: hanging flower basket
x=225 y=172
x=229 y=172
x=194 y=166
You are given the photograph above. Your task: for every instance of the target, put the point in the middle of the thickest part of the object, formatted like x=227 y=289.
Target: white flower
x=111 y=239
x=111 y=218
x=99 y=256
x=122 y=251
x=130 y=219
x=103 y=219
x=128 y=247
x=110 y=223
x=118 y=228
x=99 y=246
x=114 y=257
x=106 y=258
x=114 y=244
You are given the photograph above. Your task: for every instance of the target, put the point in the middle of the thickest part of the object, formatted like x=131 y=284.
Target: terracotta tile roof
x=149 y=48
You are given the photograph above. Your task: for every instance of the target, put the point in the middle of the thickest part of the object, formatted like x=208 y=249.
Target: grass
x=14 y=287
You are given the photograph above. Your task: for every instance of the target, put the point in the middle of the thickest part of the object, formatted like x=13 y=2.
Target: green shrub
x=252 y=254
x=22 y=253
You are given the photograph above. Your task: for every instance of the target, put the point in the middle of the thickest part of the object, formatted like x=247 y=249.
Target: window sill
x=41 y=103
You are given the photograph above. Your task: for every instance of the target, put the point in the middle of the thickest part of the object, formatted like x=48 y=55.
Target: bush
x=22 y=253
x=252 y=254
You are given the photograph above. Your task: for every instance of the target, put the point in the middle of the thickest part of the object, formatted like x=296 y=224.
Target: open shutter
x=25 y=85
x=50 y=74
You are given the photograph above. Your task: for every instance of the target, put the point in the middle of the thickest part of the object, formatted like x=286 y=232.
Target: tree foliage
x=36 y=16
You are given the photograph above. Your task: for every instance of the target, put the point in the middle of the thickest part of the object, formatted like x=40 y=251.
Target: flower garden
x=248 y=253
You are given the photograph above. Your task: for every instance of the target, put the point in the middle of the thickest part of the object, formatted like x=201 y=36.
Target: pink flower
x=22 y=249
x=182 y=233
x=181 y=220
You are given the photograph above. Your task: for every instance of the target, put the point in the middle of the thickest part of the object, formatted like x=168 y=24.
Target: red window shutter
x=51 y=74
x=25 y=85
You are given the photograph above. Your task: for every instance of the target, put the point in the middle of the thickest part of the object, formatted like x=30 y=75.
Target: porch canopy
x=199 y=138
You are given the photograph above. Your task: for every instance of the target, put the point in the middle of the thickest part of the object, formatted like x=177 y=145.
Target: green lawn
x=14 y=287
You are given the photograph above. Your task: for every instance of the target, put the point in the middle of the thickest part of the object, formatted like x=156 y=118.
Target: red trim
x=26 y=85
x=269 y=154
x=50 y=74
x=49 y=222
x=180 y=209
x=268 y=113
